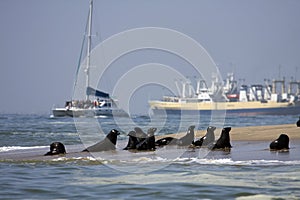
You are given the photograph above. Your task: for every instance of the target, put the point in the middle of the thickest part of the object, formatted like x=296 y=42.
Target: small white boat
x=101 y=106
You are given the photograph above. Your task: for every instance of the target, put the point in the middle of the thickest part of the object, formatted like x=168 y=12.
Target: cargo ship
x=234 y=98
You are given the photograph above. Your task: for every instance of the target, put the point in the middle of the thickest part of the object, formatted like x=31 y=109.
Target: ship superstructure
x=272 y=97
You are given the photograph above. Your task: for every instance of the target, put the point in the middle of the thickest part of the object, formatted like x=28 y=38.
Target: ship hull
x=230 y=108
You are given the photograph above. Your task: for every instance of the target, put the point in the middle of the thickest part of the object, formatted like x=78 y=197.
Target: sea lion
x=207 y=139
x=298 y=123
x=224 y=141
x=107 y=144
x=166 y=141
x=56 y=148
x=188 y=138
x=149 y=142
x=141 y=136
x=183 y=141
x=280 y=143
x=132 y=141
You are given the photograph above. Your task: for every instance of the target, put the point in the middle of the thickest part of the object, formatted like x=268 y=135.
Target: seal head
x=56 y=148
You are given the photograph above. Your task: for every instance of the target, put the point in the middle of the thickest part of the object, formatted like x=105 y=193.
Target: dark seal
x=149 y=142
x=280 y=143
x=132 y=141
x=166 y=141
x=224 y=141
x=56 y=148
x=298 y=123
x=186 y=140
x=109 y=143
x=208 y=139
x=140 y=135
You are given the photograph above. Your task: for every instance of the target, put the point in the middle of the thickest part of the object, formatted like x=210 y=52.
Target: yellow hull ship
x=248 y=100
x=246 y=108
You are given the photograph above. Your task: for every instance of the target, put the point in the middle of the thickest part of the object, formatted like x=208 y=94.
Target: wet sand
x=253 y=133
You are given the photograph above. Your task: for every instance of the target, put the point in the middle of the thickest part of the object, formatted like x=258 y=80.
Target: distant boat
x=248 y=100
x=97 y=103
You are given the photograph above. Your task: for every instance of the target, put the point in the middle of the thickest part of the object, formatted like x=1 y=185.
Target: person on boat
x=96 y=103
x=87 y=104
x=68 y=105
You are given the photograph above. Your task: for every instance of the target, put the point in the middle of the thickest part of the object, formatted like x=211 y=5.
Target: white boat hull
x=92 y=112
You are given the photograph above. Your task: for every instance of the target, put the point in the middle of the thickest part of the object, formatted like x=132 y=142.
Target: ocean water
x=248 y=171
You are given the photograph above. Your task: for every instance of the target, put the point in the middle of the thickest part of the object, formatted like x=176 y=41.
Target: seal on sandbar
x=56 y=148
x=207 y=139
x=298 y=123
x=188 y=138
x=149 y=142
x=183 y=141
x=166 y=141
x=132 y=141
x=280 y=143
x=224 y=141
x=140 y=135
x=109 y=143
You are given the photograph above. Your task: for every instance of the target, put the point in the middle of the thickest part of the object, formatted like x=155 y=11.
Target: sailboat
x=96 y=103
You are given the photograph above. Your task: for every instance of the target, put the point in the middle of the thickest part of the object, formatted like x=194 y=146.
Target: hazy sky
x=40 y=40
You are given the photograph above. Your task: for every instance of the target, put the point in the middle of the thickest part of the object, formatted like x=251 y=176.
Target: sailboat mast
x=89 y=36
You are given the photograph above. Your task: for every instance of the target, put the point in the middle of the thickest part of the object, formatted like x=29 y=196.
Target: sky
x=40 y=41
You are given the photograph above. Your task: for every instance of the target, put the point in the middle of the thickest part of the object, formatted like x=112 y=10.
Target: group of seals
x=138 y=140
x=186 y=140
x=206 y=141
x=108 y=143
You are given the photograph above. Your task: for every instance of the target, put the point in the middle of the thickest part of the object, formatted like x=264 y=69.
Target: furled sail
x=97 y=93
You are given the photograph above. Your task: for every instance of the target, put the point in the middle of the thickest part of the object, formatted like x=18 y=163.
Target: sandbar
x=252 y=133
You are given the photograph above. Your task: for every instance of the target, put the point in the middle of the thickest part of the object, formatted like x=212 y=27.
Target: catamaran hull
x=62 y=112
